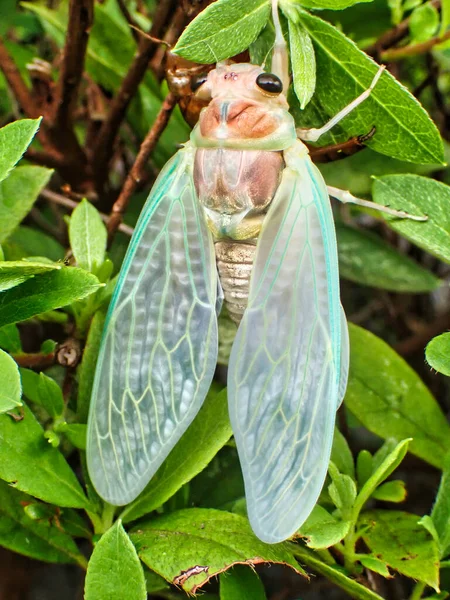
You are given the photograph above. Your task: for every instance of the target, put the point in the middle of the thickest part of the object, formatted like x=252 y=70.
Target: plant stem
x=418 y=590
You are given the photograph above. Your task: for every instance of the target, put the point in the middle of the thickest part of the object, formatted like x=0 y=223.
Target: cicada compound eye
x=198 y=80
x=269 y=84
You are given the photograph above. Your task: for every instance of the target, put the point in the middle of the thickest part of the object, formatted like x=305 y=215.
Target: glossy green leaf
x=51 y=395
x=396 y=538
x=364 y=467
x=404 y=129
x=87 y=234
x=45 y=292
x=14 y=140
x=14 y=273
x=190 y=546
x=323 y=530
x=26 y=241
x=368 y=260
x=390 y=399
x=438 y=353
x=39 y=539
x=10 y=339
x=114 y=570
x=341 y=455
x=375 y=564
x=86 y=370
x=18 y=193
x=330 y=4
x=445 y=16
x=342 y=490
x=209 y=432
x=389 y=464
x=223 y=29
x=76 y=433
x=241 y=583
x=418 y=196
x=441 y=511
x=10 y=386
x=423 y=23
x=303 y=61
x=391 y=491
x=30 y=464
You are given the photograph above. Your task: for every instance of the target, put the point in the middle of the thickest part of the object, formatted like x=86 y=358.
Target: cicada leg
x=348 y=198
x=312 y=135
x=334 y=152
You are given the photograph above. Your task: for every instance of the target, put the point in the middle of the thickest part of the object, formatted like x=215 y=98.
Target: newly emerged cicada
x=239 y=214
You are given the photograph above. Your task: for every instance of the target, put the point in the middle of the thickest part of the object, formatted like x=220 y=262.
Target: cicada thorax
x=238 y=165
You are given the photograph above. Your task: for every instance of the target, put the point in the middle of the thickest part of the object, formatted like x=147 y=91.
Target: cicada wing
x=345 y=358
x=159 y=347
x=284 y=365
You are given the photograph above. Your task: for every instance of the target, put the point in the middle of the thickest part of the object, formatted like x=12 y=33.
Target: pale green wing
x=345 y=358
x=284 y=367
x=159 y=346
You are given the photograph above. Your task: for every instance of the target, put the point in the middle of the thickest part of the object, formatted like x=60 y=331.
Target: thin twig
x=413 y=49
x=131 y=22
x=81 y=15
x=418 y=341
x=105 y=143
x=137 y=170
x=17 y=84
x=72 y=204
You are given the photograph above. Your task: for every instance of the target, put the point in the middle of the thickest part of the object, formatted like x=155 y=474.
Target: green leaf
x=39 y=539
x=51 y=395
x=29 y=463
x=75 y=432
x=382 y=472
x=209 y=432
x=86 y=370
x=14 y=273
x=223 y=29
x=303 y=61
x=330 y=4
x=390 y=399
x=10 y=386
x=441 y=511
x=17 y=195
x=392 y=491
x=396 y=538
x=25 y=241
x=418 y=196
x=364 y=467
x=322 y=530
x=241 y=583
x=438 y=353
x=190 y=546
x=374 y=564
x=404 y=129
x=445 y=16
x=10 y=339
x=342 y=491
x=87 y=235
x=423 y=23
x=341 y=455
x=368 y=260
x=14 y=140
x=45 y=292
x=114 y=570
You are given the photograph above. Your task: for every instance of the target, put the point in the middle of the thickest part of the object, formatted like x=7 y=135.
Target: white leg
x=280 y=60
x=312 y=135
x=346 y=197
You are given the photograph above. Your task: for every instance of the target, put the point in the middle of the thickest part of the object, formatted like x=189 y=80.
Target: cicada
x=239 y=215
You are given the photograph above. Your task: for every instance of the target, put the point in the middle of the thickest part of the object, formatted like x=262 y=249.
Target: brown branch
x=413 y=49
x=418 y=341
x=132 y=23
x=52 y=161
x=35 y=360
x=81 y=16
x=104 y=147
x=72 y=204
x=137 y=170
x=17 y=84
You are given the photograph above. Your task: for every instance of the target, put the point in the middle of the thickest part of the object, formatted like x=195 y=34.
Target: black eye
x=269 y=83
x=197 y=81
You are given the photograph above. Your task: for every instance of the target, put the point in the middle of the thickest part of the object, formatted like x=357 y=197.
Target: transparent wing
x=159 y=346
x=284 y=366
x=345 y=358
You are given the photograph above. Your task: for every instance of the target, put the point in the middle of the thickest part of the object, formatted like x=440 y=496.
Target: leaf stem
x=418 y=590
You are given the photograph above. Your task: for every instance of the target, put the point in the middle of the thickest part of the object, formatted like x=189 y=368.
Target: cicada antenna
x=280 y=66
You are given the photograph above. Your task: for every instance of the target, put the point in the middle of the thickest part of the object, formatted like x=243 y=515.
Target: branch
x=81 y=16
x=16 y=83
x=72 y=204
x=108 y=132
x=138 y=169
x=413 y=49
